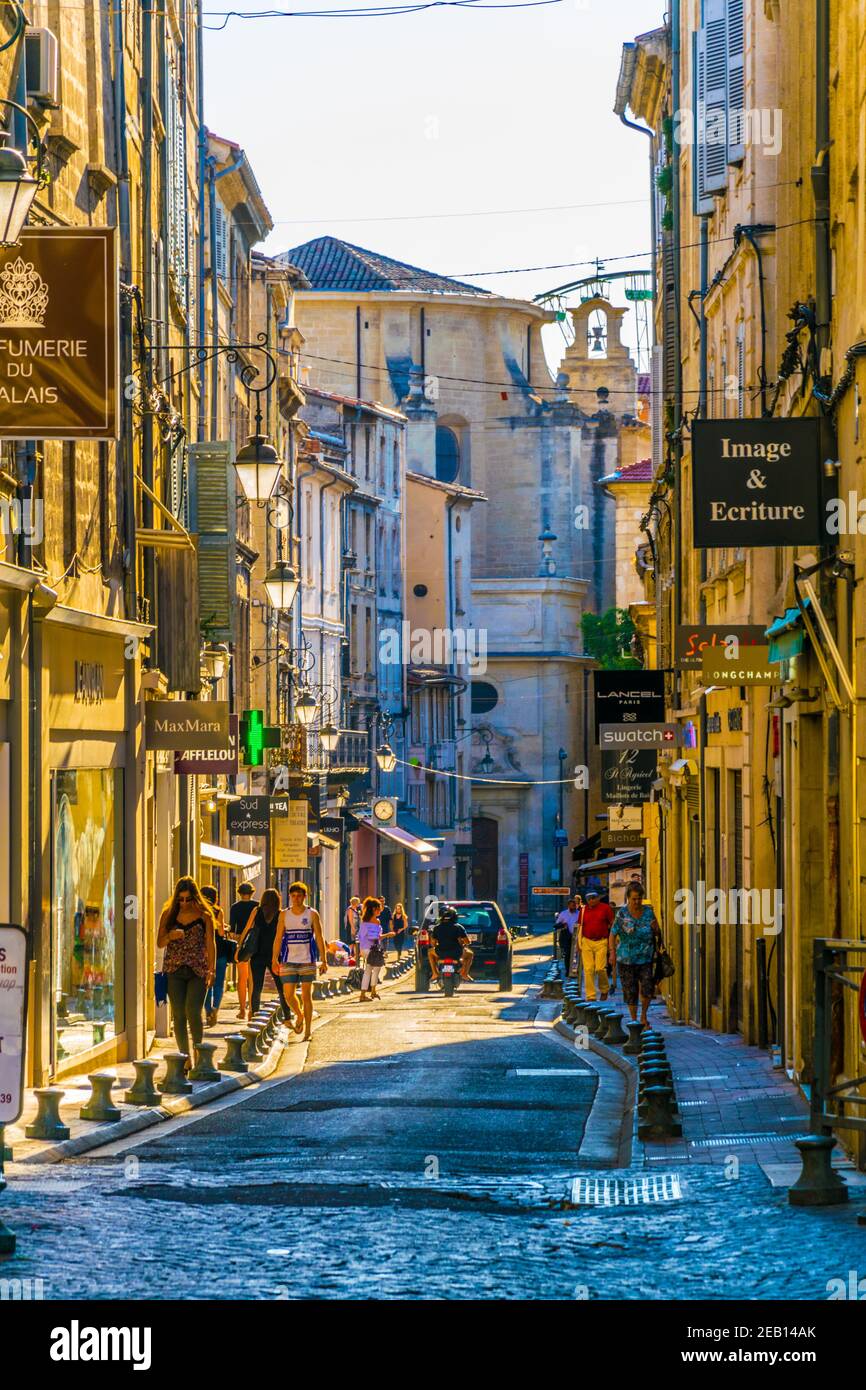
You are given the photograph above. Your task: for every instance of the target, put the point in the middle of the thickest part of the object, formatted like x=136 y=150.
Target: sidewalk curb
x=594 y=1149
x=170 y=1109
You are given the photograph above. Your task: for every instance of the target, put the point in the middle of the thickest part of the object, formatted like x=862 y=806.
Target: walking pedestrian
x=187 y=931
x=351 y=922
x=225 y=952
x=593 y=931
x=566 y=922
x=634 y=939
x=370 y=936
x=385 y=915
x=267 y=920
x=399 y=927
x=239 y=916
x=299 y=951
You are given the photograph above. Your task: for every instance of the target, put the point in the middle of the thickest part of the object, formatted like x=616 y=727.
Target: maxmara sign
x=59 y=334
x=756 y=483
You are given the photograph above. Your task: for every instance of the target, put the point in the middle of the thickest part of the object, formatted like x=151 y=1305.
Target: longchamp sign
x=59 y=334
x=757 y=483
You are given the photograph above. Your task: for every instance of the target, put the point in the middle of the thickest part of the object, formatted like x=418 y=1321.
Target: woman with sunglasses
x=187 y=931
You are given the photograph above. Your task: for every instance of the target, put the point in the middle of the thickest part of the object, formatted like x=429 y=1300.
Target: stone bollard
x=174 y=1083
x=100 y=1106
x=318 y=989
x=250 y=1050
x=654 y=1076
x=655 y=1116
x=579 y=1006
x=653 y=1053
x=605 y=1015
x=48 y=1124
x=650 y=1036
x=615 y=1031
x=632 y=1047
x=98 y=1033
x=569 y=1010
x=592 y=1017
x=819 y=1185
x=142 y=1090
x=204 y=1069
x=234 y=1059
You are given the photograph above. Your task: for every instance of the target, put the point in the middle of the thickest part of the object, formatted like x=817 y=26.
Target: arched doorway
x=485 y=857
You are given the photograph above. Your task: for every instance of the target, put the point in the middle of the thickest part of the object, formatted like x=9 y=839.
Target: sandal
x=298 y=1024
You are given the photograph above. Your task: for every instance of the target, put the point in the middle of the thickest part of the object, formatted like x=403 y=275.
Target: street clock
x=385 y=810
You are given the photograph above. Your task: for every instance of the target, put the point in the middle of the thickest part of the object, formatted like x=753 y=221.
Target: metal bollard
x=632 y=1047
x=174 y=1083
x=615 y=1031
x=100 y=1106
x=234 y=1058
x=204 y=1069
x=592 y=1017
x=819 y=1185
x=142 y=1090
x=654 y=1076
x=250 y=1050
x=48 y=1124
x=655 y=1116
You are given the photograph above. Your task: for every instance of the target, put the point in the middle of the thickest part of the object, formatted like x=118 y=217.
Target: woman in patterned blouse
x=634 y=940
x=187 y=931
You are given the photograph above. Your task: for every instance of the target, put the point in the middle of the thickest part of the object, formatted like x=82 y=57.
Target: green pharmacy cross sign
x=256 y=736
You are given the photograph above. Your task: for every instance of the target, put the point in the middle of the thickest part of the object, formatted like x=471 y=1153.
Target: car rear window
x=475 y=918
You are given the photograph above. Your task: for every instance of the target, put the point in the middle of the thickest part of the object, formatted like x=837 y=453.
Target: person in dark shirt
x=451 y=942
x=268 y=920
x=239 y=915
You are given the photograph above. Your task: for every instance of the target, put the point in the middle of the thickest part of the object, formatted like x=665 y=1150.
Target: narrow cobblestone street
x=431 y=1147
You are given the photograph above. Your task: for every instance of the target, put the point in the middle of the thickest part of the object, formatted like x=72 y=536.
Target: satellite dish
x=279 y=513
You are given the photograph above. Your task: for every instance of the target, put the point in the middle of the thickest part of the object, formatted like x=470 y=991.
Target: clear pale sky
x=446 y=111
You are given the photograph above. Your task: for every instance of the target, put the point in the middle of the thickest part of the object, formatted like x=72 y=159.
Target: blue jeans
x=214 y=996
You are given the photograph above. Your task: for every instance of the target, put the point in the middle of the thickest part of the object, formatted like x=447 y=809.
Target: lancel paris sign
x=756 y=482
x=58 y=334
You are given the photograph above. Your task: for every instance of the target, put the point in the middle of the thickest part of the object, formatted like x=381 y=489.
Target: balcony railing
x=352 y=753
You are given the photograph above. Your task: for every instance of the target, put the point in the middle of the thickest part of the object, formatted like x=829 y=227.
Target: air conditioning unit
x=42 y=66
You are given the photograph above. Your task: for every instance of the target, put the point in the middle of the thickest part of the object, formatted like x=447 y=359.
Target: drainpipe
x=358 y=368
x=213 y=177
x=821 y=173
x=678 y=378
x=149 y=286
x=201 y=326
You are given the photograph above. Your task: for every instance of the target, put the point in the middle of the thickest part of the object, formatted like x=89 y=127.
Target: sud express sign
x=758 y=483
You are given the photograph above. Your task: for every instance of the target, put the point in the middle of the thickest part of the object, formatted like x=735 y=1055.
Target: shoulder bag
x=249 y=945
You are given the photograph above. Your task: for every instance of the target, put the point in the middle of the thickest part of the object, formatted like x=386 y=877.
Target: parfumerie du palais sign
x=756 y=482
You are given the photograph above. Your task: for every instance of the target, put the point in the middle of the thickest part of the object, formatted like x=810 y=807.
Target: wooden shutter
x=670 y=311
x=222 y=240
x=177 y=639
x=736 y=85
x=212 y=521
x=710 y=106
x=657 y=414
x=741 y=372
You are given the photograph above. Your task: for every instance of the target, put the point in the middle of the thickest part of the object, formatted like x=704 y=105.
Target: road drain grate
x=626 y=1192
x=770 y=1137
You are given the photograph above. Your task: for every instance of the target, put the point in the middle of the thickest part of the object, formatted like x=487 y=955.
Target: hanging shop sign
x=641 y=735
x=627 y=776
x=332 y=826
x=182 y=724
x=752 y=667
x=249 y=815
x=289 y=843
x=558 y=892
x=628 y=697
x=59 y=334
x=211 y=762
x=691 y=641
x=13 y=1015
x=757 y=483
x=622 y=839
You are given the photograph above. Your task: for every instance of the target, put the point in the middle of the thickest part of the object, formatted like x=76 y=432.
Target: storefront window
x=87 y=914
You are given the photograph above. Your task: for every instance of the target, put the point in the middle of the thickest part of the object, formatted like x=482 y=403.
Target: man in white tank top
x=299 y=951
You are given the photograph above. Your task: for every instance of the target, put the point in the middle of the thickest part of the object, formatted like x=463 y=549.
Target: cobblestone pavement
x=428 y=1149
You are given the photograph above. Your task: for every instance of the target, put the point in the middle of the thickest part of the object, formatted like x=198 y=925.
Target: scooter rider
x=450 y=940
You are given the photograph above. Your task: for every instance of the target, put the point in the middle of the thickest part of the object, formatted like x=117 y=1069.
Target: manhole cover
x=626 y=1192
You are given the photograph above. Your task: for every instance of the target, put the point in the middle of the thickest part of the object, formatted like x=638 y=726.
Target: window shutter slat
x=657 y=408
x=711 y=104
x=736 y=93
x=212 y=521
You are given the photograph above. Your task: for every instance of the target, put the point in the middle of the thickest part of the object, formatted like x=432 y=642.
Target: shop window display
x=86 y=884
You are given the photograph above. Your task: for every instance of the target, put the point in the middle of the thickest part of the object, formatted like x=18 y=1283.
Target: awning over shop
x=625 y=860
x=316 y=837
x=587 y=847
x=786 y=635
x=231 y=858
x=401 y=837
x=418 y=828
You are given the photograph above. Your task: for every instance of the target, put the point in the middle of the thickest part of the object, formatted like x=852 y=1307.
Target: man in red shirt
x=596 y=920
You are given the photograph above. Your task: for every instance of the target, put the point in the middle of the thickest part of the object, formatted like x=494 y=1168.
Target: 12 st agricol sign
x=757 y=483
